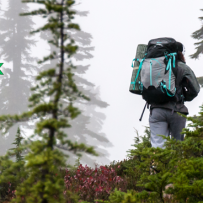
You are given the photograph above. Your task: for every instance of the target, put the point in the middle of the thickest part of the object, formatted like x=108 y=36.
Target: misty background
x=110 y=33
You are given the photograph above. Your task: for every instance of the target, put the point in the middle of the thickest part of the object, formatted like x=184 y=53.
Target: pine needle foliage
x=188 y=180
x=200 y=81
x=18 y=150
x=42 y=180
x=198 y=35
x=180 y=164
x=12 y=172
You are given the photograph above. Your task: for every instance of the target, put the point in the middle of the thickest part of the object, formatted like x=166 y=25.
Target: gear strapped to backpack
x=155 y=77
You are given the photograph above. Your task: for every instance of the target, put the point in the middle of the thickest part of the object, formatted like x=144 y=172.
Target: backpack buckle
x=166 y=53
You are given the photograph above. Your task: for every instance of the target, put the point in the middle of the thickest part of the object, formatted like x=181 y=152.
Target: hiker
x=161 y=76
x=163 y=118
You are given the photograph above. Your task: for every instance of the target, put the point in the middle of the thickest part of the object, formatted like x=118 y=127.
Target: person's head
x=181 y=51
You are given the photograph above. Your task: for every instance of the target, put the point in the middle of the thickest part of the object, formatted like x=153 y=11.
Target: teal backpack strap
x=174 y=58
x=170 y=68
x=166 y=53
x=169 y=64
x=141 y=86
x=170 y=95
x=132 y=63
x=135 y=59
x=140 y=67
x=163 y=86
x=151 y=72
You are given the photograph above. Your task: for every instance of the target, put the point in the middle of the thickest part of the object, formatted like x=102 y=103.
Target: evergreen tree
x=188 y=180
x=198 y=35
x=12 y=172
x=180 y=164
x=44 y=183
x=15 y=43
x=18 y=150
x=87 y=126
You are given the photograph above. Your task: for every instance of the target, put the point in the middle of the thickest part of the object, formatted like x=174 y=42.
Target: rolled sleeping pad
x=141 y=50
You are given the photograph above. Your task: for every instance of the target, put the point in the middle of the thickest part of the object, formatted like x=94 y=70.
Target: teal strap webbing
x=151 y=72
x=170 y=95
x=161 y=89
x=169 y=64
x=169 y=82
x=133 y=61
x=141 y=87
x=165 y=53
x=140 y=67
x=174 y=58
x=169 y=68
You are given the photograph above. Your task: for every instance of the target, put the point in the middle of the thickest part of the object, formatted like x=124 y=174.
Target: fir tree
x=198 y=35
x=43 y=183
x=155 y=167
x=85 y=128
x=180 y=164
x=15 y=44
x=12 y=172
x=188 y=180
x=18 y=150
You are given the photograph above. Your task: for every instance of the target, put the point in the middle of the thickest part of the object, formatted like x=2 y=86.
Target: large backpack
x=157 y=70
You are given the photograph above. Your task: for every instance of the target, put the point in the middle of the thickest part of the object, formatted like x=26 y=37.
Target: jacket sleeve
x=190 y=84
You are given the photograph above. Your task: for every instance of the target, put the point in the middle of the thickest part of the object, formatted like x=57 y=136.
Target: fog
x=110 y=33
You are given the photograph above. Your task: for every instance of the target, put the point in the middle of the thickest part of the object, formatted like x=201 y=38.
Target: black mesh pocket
x=156 y=95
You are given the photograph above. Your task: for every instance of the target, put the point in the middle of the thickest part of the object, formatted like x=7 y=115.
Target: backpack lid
x=164 y=41
x=158 y=47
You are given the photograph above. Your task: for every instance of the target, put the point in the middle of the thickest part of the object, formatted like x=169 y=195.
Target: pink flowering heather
x=92 y=184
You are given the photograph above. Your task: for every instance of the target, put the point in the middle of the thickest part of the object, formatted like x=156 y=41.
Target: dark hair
x=181 y=57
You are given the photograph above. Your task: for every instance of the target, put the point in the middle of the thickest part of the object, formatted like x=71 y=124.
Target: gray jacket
x=182 y=70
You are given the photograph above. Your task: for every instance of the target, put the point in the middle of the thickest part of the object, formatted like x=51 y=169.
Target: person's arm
x=190 y=84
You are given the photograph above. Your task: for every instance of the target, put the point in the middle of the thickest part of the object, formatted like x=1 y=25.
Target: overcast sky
x=117 y=28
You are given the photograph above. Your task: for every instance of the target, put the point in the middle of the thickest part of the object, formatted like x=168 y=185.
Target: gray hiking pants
x=163 y=122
